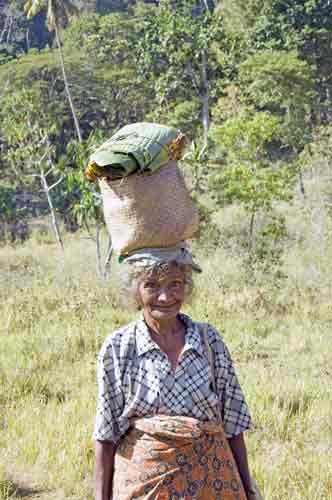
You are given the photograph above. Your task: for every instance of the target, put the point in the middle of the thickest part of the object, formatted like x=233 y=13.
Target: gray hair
x=130 y=275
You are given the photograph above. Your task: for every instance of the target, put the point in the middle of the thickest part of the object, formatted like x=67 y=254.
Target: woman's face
x=162 y=296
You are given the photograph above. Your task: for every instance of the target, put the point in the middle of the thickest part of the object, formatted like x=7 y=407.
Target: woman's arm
x=104 y=465
x=239 y=450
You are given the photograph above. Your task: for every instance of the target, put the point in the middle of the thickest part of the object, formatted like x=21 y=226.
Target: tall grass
x=55 y=314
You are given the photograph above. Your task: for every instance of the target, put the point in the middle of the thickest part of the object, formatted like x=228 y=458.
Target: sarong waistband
x=176 y=427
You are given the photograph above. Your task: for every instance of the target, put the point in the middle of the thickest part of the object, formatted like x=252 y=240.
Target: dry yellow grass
x=55 y=314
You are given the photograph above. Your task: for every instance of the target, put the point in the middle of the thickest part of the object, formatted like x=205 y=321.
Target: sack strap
x=210 y=355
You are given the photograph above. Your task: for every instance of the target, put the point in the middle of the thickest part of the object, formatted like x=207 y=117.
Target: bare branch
x=49 y=171
x=56 y=183
x=41 y=159
x=35 y=175
x=3 y=32
x=91 y=238
x=43 y=140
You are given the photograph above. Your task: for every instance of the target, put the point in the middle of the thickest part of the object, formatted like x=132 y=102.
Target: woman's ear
x=135 y=293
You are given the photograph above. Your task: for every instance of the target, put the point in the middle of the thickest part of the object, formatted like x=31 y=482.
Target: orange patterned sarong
x=169 y=458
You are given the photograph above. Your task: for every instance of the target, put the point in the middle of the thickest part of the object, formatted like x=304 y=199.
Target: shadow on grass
x=11 y=490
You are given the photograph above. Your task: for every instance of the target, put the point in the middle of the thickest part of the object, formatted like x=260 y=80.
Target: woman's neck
x=163 y=328
x=170 y=337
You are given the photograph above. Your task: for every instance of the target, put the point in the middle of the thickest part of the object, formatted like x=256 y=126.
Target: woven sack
x=148 y=211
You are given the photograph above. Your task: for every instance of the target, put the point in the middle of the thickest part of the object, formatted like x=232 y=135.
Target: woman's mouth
x=164 y=307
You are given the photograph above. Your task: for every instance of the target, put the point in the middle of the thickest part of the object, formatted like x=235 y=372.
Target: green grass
x=55 y=315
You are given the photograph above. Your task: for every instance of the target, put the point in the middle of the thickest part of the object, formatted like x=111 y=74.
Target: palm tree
x=59 y=13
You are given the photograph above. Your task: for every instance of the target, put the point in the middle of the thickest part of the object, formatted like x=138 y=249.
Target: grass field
x=55 y=314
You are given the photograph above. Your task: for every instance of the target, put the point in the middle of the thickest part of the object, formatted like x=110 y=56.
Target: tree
x=27 y=130
x=13 y=32
x=88 y=204
x=304 y=26
x=248 y=176
x=59 y=12
x=280 y=82
x=17 y=35
x=108 y=81
x=196 y=158
x=174 y=54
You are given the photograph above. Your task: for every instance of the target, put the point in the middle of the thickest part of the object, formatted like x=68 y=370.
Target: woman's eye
x=177 y=284
x=150 y=284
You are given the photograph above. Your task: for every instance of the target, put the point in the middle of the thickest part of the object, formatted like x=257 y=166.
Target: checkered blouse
x=135 y=380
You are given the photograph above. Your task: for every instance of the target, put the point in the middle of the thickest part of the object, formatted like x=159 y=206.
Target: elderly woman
x=171 y=413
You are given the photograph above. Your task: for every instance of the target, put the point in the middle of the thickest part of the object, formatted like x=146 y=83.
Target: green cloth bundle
x=139 y=147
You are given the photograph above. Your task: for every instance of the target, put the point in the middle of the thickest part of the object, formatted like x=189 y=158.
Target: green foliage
x=86 y=200
x=173 y=47
x=282 y=83
x=246 y=136
x=277 y=80
x=301 y=25
x=9 y=210
x=79 y=31
x=209 y=234
x=59 y=12
x=257 y=187
x=112 y=39
x=258 y=66
x=29 y=121
x=196 y=159
x=185 y=116
x=17 y=35
x=250 y=179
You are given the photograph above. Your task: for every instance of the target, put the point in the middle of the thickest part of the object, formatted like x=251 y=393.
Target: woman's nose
x=164 y=294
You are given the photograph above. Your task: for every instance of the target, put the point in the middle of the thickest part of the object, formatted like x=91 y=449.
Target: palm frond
x=32 y=7
x=59 y=12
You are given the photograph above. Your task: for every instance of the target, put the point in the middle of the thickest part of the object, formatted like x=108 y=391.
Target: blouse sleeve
x=234 y=410
x=109 y=423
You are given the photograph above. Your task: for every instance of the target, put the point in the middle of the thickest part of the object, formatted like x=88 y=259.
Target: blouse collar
x=145 y=343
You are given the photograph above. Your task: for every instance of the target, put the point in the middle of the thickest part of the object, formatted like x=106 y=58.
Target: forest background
x=250 y=84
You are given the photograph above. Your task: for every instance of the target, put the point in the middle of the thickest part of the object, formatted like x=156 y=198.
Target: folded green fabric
x=115 y=165
x=143 y=147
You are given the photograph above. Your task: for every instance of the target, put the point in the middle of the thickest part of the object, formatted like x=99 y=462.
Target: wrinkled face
x=162 y=294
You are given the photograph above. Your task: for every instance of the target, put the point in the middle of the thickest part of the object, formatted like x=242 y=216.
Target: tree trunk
x=209 y=5
x=107 y=264
x=53 y=216
x=3 y=32
x=251 y=230
x=58 y=41
x=301 y=182
x=27 y=38
x=9 y=32
x=98 y=251
x=205 y=98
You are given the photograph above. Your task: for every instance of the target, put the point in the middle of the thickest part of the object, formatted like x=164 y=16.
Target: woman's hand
x=239 y=451
x=254 y=493
x=252 y=496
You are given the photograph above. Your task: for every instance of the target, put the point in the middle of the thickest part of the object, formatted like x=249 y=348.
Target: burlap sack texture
x=153 y=211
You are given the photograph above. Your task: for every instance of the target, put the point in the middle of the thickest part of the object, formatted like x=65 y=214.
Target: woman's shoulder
x=120 y=340
x=214 y=336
